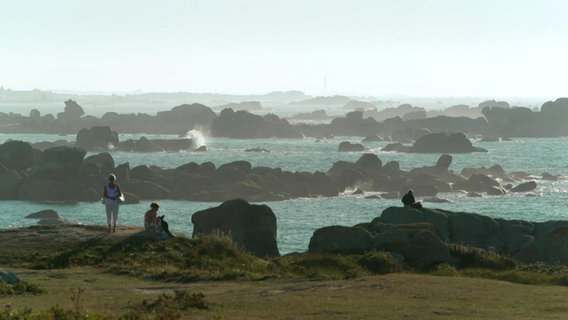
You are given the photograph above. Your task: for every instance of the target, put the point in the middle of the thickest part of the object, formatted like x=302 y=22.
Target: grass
x=19 y=288
x=208 y=278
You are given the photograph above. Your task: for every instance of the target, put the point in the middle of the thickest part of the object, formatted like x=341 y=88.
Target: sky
x=457 y=48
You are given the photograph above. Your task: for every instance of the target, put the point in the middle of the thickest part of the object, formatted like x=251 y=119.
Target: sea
x=297 y=219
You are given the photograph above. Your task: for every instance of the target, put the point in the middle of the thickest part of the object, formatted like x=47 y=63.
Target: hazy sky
x=498 y=48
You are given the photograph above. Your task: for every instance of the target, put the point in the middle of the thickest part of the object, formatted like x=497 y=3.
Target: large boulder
x=347 y=146
x=421 y=236
x=443 y=163
x=369 y=162
x=340 y=239
x=444 y=143
x=16 y=155
x=525 y=187
x=478 y=183
x=181 y=118
x=245 y=125
x=58 y=163
x=97 y=165
x=397 y=147
x=73 y=109
x=406 y=215
x=9 y=184
x=43 y=214
x=97 y=138
x=417 y=243
x=550 y=248
x=251 y=226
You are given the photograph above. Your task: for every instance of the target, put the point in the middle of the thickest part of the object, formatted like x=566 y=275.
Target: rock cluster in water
x=405 y=123
x=63 y=173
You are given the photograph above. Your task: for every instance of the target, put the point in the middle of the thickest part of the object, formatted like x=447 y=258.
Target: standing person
x=111 y=196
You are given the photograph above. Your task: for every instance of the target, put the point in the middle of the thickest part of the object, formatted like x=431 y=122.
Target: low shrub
x=469 y=257
x=21 y=287
x=379 y=262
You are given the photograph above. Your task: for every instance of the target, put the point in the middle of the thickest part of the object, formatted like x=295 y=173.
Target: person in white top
x=111 y=197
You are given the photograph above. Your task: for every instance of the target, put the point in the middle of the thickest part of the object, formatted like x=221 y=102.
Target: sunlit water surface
x=297 y=219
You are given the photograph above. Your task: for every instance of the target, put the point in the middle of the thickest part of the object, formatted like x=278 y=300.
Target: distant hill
x=334 y=100
x=41 y=96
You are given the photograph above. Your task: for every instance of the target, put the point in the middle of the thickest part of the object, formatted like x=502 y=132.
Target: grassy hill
x=80 y=272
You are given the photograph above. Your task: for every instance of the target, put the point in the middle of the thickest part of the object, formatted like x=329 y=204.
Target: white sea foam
x=197 y=138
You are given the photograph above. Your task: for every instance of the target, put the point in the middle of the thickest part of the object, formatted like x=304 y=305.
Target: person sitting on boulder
x=409 y=201
x=155 y=224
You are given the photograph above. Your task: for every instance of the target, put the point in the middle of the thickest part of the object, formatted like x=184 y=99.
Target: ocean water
x=297 y=219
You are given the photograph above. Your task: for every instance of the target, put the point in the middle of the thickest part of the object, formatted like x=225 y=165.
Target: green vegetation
x=21 y=287
x=166 y=306
x=214 y=257
x=186 y=260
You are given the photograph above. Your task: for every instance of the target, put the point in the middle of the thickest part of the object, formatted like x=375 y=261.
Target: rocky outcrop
x=317 y=115
x=444 y=143
x=97 y=138
x=525 y=187
x=516 y=238
x=44 y=214
x=97 y=165
x=347 y=146
x=245 y=125
x=252 y=227
x=340 y=239
x=17 y=155
x=437 y=143
x=180 y=119
x=73 y=109
x=497 y=119
x=47 y=218
x=354 y=125
x=417 y=243
x=421 y=236
x=58 y=163
x=63 y=174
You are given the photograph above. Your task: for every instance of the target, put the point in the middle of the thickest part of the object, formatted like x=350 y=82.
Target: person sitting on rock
x=409 y=201
x=155 y=224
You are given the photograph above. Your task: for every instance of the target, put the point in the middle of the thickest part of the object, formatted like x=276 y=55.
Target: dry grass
x=83 y=268
x=392 y=296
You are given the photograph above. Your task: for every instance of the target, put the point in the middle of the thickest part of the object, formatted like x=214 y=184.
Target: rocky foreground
x=417 y=238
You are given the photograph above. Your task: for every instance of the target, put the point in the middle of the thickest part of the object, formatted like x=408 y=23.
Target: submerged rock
x=44 y=214
x=347 y=146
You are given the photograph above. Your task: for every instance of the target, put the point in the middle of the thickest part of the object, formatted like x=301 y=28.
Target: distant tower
x=325 y=85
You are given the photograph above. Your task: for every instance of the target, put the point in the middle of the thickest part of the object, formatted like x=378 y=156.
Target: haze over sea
x=299 y=218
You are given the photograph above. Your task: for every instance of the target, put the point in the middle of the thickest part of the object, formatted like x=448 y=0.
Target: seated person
x=153 y=223
x=409 y=201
